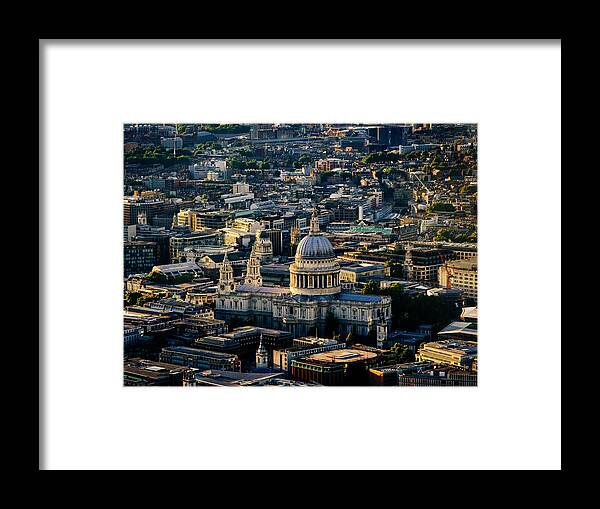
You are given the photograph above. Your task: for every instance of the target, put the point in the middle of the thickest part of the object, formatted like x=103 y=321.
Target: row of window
x=319 y=281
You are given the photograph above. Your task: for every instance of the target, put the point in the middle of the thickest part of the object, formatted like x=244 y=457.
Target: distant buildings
x=180 y=242
x=282 y=357
x=200 y=359
x=410 y=339
x=356 y=272
x=170 y=143
x=405 y=149
x=177 y=269
x=389 y=136
x=143 y=372
x=345 y=366
x=460 y=274
x=221 y=378
x=134 y=207
x=139 y=257
x=462 y=354
x=245 y=259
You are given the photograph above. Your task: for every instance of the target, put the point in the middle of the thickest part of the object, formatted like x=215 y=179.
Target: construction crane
x=427 y=191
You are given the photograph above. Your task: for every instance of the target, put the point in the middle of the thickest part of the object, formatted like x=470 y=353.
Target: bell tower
x=263 y=247
x=253 y=276
x=226 y=282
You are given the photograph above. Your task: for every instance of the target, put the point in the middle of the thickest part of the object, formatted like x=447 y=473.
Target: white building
x=313 y=298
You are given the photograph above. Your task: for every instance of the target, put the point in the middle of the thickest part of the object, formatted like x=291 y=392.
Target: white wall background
x=512 y=420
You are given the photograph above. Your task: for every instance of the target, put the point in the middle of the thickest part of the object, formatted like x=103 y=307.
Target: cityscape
x=300 y=255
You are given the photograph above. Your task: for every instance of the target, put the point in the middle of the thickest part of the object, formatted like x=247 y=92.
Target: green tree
x=131 y=298
x=442 y=207
x=371 y=288
x=402 y=353
x=395 y=268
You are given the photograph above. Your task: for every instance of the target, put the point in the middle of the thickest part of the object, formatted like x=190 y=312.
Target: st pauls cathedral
x=313 y=297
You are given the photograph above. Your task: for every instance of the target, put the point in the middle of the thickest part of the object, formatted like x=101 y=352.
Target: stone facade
x=313 y=298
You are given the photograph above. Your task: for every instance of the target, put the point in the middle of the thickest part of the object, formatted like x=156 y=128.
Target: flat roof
x=342 y=356
x=357 y=267
x=197 y=351
x=467 y=263
x=177 y=266
x=233 y=378
x=466 y=347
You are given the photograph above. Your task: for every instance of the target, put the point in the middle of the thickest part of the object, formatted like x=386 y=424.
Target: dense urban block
x=300 y=255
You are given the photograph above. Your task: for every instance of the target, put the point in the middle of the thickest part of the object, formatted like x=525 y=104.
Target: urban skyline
x=300 y=254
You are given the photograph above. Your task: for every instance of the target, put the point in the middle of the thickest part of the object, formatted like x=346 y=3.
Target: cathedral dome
x=315 y=271
x=314 y=247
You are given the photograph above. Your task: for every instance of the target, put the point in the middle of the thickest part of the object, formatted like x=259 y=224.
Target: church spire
x=226 y=282
x=262 y=355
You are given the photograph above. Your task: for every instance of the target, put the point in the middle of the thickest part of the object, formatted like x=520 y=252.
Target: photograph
x=307 y=217
x=306 y=255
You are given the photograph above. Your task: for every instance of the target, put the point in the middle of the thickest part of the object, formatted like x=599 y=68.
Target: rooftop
x=466 y=347
x=344 y=355
x=359 y=297
x=177 y=267
x=468 y=328
x=279 y=290
x=233 y=378
x=358 y=267
x=197 y=351
x=469 y=313
x=466 y=264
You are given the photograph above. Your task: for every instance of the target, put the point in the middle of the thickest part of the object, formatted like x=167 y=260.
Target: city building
x=463 y=330
x=143 y=372
x=200 y=359
x=345 y=366
x=179 y=243
x=461 y=274
x=178 y=269
x=245 y=257
x=462 y=354
x=313 y=297
x=220 y=378
x=139 y=257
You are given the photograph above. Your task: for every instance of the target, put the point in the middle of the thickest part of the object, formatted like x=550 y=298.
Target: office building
x=139 y=257
x=461 y=274
x=200 y=359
